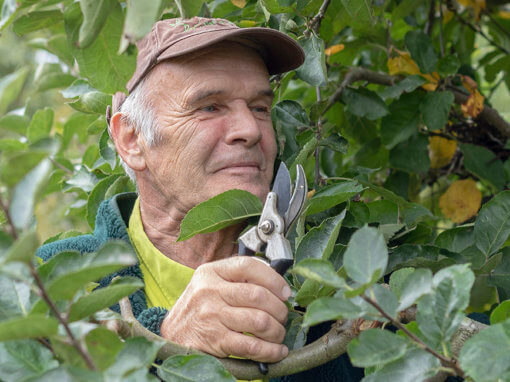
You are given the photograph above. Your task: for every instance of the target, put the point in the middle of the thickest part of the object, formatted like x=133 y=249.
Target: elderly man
x=196 y=123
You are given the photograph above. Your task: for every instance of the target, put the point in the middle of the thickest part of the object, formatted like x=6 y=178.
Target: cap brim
x=281 y=51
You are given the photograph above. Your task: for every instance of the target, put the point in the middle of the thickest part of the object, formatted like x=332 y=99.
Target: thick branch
x=328 y=347
x=488 y=114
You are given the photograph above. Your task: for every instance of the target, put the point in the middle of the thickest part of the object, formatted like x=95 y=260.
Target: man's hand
x=225 y=299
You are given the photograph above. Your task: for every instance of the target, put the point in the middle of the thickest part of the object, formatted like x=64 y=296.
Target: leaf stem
x=10 y=223
x=319 y=137
x=44 y=295
x=446 y=361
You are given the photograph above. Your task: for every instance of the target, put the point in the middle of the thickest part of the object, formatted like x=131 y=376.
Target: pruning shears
x=279 y=213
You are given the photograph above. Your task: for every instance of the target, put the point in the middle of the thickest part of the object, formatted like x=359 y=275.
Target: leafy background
x=400 y=118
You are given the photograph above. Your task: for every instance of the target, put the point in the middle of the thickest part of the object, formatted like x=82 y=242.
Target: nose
x=243 y=127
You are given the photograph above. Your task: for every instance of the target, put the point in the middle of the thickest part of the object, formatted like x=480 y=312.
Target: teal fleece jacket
x=111 y=224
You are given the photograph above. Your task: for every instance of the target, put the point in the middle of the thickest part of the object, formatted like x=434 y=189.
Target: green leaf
x=441 y=312
x=436 y=108
x=366 y=256
x=14 y=299
x=23 y=249
x=32 y=326
x=407 y=85
x=403 y=120
x=414 y=286
x=106 y=71
x=140 y=17
x=385 y=298
x=221 y=211
x=364 y=103
x=308 y=292
x=34 y=21
x=189 y=8
x=359 y=10
x=319 y=270
x=376 y=347
x=137 y=353
x=456 y=239
x=96 y=196
x=501 y=313
x=9 y=12
x=397 y=279
x=288 y=117
x=336 y=143
x=492 y=226
x=82 y=180
x=104 y=297
x=23 y=359
x=77 y=88
x=491 y=344
x=68 y=373
x=95 y=14
x=500 y=275
x=483 y=163
x=40 y=125
x=318 y=243
x=92 y=102
x=24 y=197
x=331 y=196
x=427 y=256
x=295 y=333
x=303 y=155
x=13 y=122
x=122 y=184
x=103 y=346
x=412 y=155
x=194 y=367
x=331 y=308
x=10 y=88
x=448 y=65
x=422 y=51
x=107 y=152
x=410 y=211
x=313 y=69
x=68 y=272
x=415 y=365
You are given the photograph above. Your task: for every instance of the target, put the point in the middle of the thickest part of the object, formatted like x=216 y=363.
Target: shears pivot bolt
x=267 y=226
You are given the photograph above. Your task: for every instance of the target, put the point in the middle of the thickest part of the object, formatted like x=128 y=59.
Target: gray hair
x=138 y=113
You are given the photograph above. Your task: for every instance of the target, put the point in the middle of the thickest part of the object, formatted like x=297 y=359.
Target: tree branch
x=488 y=114
x=478 y=30
x=328 y=347
x=10 y=223
x=315 y=23
x=44 y=295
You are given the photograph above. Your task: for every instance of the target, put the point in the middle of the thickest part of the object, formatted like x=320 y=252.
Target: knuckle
x=256 y=295
x=253 y=348
x=261 y=322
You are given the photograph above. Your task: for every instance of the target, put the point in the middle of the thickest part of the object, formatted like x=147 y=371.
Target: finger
x=253 y=321
x=241 y=345
x=244 y=295
x=245 y=269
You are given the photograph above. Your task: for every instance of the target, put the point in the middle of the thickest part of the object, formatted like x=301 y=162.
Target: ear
x=128 y=143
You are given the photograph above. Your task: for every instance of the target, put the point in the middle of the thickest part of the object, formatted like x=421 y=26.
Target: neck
x=162 y=226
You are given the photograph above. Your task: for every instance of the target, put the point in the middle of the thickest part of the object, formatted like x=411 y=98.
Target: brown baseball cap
x=176 y=37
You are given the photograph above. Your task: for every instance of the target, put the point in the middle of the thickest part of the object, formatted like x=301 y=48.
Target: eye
x=261 y=109
x=209 y=108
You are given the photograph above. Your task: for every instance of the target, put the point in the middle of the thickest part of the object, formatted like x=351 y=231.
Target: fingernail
x=285 y=351
x=286 y=292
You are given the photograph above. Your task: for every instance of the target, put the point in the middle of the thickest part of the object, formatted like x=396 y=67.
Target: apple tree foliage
x=399 y=116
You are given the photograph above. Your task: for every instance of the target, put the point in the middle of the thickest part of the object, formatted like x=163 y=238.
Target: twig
x=478 y=30
x=446 y=361
x=65 y=169
x=488 y=114
x=44 y=295
x=497 y=24
x=315 y=23
x=318 y=135
x=7 y=215
x=431 y=19
x=441 y=39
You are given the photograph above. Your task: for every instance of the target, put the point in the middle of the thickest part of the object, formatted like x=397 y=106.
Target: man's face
x=213 y=112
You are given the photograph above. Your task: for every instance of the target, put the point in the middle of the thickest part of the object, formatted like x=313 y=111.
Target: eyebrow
x=204 y=94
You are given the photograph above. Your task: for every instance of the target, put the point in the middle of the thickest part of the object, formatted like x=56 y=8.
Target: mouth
x=242 y=167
